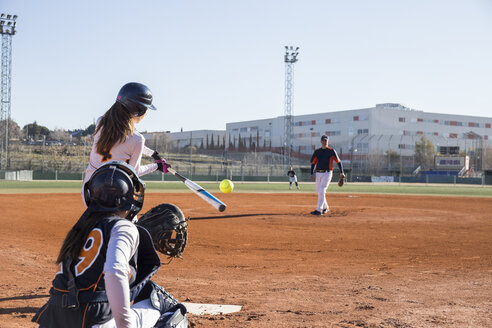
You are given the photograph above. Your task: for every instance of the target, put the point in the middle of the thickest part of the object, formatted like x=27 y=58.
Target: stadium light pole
x=290 y=58
x=7 y=30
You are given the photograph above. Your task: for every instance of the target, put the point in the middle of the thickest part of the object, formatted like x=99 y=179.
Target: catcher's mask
x=115 y=186
x=168 y=229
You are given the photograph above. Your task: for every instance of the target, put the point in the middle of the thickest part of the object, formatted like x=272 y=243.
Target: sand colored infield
x=374 y=261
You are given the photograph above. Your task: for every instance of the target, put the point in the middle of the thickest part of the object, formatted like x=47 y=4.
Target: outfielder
x=106 y=262
x=292 y=178
x=322 y=162
x=116 y=139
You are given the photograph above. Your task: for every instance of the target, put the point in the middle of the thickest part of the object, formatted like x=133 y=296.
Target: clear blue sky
x=212 y=62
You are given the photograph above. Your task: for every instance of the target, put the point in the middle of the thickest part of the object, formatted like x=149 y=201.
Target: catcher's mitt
x=167 y=227
x=341 y=180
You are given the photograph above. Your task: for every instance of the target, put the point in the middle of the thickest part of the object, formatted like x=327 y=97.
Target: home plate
x=199 y=309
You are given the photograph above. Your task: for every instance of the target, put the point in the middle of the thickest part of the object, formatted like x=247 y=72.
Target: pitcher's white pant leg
x=322 y=182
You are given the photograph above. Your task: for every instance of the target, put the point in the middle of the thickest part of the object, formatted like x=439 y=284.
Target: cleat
x=324 y=211
x=315 y=212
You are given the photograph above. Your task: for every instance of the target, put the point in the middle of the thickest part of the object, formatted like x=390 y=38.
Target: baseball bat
x=205 y=195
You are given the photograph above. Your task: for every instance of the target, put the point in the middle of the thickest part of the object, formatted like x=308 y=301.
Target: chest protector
x=78 y=294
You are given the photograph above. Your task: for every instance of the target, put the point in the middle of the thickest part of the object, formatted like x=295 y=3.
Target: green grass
x=154 y=186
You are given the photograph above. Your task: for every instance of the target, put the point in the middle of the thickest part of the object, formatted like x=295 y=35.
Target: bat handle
x=176 y=174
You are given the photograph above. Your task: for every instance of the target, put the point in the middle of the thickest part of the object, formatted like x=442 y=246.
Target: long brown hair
x=115 y=125
x=76 y=237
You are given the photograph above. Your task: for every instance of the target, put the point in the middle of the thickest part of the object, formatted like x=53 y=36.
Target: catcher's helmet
x=136 y=98
x=115 y=186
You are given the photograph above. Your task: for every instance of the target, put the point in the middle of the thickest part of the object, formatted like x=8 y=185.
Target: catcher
x=106 y=261
x=322 y=163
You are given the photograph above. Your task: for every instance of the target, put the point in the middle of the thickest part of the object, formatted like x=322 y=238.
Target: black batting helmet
x=115 y=186
x=136 y=98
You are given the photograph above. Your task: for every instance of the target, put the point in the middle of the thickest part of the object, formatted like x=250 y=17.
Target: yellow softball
x=226 y=186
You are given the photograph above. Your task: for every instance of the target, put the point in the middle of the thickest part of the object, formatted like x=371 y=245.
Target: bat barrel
x=205 y=195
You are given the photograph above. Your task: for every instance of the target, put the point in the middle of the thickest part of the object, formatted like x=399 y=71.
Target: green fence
x=302 y=177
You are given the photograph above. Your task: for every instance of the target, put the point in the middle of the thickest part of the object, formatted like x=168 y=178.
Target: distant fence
x=302 y=177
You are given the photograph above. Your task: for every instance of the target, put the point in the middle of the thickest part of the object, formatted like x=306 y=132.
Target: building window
x=328 y=121
x=420 y=120
x=401 y=119
x=362 y=131
x=436 y=134
x=436 y=121
x=473 y=125
x=401 y=146
x=305 y=123
x=453 y=135
x=420 y=133
x=487 y=125
x=486 y=137
x=356 y=118
x=327 y=133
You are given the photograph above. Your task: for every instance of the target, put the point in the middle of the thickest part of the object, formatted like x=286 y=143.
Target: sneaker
x=315 y=212
x=324 y=211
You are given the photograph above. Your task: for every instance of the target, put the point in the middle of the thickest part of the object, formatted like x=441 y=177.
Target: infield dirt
x=373 y=261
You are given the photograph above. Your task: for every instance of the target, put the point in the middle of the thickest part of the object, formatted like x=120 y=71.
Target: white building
x=359 y=133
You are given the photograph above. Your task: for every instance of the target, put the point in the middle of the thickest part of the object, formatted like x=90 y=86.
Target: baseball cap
x=324 y=137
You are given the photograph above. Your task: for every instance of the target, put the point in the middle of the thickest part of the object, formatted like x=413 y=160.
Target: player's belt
x=321 y=171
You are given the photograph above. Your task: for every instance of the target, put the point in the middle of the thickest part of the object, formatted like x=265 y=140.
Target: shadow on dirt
x=232 y=216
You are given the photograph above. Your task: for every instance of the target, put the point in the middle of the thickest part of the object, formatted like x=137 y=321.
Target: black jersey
x=87 y=271
x=323 y=159
x=291 y=173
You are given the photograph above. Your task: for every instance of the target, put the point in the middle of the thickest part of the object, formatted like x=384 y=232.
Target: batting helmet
x=136 y=98
x=115 y=186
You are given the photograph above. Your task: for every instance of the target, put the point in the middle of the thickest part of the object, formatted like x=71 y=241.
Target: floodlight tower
x=290 y=58
x=7 y=29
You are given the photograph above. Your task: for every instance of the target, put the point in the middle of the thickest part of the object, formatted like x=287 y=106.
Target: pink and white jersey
x=129 y=151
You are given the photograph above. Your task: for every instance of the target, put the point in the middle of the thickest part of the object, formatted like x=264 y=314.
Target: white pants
x=323 y=179
x=292 y=179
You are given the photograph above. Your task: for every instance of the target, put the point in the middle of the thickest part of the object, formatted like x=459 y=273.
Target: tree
x=212 y=145
x=90 y=130
x=240 y=143
x=392 y=158
x=424 y=153
x=33 y=130
x=14 y=130
x=59 y=134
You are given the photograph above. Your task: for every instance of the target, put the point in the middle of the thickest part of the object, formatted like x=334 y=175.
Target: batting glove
x=162 y=165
